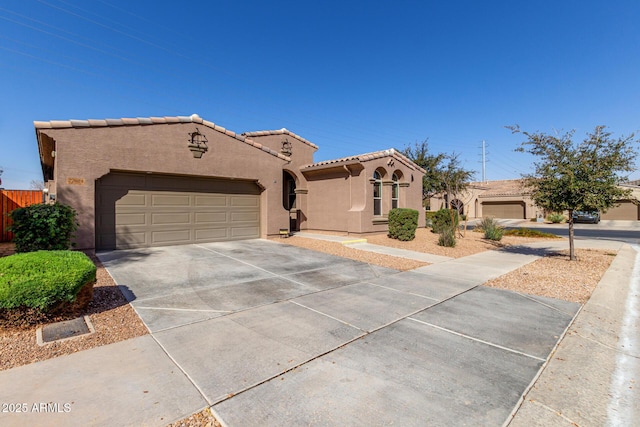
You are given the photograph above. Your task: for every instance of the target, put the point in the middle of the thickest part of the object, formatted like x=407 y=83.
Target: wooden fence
x=10 y=200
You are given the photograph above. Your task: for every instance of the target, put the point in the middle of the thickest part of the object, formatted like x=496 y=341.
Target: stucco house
x=508 y=200
x=140 y=182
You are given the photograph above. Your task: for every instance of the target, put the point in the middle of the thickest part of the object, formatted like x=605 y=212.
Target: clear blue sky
x=350 y=76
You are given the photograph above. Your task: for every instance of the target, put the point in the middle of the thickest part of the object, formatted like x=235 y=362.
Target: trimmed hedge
x=403 y=223
x=442 y=220
x=43 y=279
x=429 y=216
x=43 y=227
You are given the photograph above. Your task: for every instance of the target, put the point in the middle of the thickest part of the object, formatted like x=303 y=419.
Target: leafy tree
x=419 y=154
x=577 y=176
x=455 y=180
x=444 y=174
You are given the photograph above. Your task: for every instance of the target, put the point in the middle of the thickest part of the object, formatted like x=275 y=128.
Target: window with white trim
x=377 y=193
x=395 y=191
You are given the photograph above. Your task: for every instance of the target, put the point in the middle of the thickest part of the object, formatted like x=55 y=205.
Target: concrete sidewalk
x=592 y=377
x=589 y=380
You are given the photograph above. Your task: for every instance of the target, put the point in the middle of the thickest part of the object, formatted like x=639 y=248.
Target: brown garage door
x=504 y=210
x=142 y=210
x=625 y=211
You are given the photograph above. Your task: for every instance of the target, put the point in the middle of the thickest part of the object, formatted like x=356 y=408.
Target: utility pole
x=484 y=163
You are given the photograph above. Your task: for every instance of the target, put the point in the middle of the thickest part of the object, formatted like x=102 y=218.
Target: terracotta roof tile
x=282 y=131
x=368 y=157
x=62 y=124
x=508 y=187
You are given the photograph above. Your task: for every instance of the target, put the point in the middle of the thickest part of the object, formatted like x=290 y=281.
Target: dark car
x=592 y=217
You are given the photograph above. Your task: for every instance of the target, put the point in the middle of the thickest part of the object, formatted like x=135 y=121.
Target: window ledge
x=380 y=220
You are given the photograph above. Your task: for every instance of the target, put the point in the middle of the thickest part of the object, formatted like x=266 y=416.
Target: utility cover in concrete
x=67 y=329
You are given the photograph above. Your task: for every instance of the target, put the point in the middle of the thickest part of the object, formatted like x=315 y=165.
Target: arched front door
x=289 y=200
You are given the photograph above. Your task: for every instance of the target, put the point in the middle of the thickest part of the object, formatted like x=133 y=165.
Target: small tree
x=431 y=182
x=444 y=175
x=582 y=176
x=455 y=181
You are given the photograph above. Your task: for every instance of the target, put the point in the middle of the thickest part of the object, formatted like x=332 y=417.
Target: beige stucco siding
x=84 y=155
x=341 y=196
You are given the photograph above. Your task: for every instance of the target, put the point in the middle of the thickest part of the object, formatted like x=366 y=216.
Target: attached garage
x=142 y=210
x=626 y=210
x=504 y=210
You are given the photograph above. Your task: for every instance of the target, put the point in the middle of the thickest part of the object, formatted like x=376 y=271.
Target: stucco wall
x=341 y=196
x=301 y=155
x=85 y=154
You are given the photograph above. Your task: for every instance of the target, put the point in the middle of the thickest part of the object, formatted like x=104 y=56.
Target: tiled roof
x=508 y=187
x=141 y=121
x=367 y=157
x=282 y=131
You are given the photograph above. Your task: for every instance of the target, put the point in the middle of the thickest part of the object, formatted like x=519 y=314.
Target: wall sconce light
x=198 y=144
x=286 y=147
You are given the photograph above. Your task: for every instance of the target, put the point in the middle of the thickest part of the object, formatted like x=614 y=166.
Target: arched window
x=377 y=193
x=395 y=191
x=288 y=191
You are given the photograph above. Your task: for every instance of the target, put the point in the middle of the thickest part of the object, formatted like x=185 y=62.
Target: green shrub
x=528 y=232
x=492 y=230
x=429 y=216
x=43 y=279
x=556 y=218
x=403 y=223
x=442 y=219
x=447 y=236
x=43 y=227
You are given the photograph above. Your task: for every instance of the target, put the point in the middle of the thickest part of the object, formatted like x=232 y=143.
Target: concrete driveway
x=272 y=334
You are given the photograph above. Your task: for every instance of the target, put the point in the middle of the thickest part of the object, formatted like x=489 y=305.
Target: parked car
x=592 y=217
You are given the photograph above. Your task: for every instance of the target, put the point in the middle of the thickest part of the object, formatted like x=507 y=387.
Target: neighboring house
x=157 y=181
x=507 y=199
x=499 y=199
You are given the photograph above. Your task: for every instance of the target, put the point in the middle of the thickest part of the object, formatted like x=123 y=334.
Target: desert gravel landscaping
x=555 y=276
x=552 y=276
x=112 y=317
x=115 y=320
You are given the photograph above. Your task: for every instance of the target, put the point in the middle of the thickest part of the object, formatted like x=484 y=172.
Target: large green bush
x=403 y=223
x=429 y=216
x=43 y=279
x=443 y=219
x=43 y=227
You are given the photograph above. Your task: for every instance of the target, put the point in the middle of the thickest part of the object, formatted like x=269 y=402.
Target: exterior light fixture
x=286 y=147
x=198 y=144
